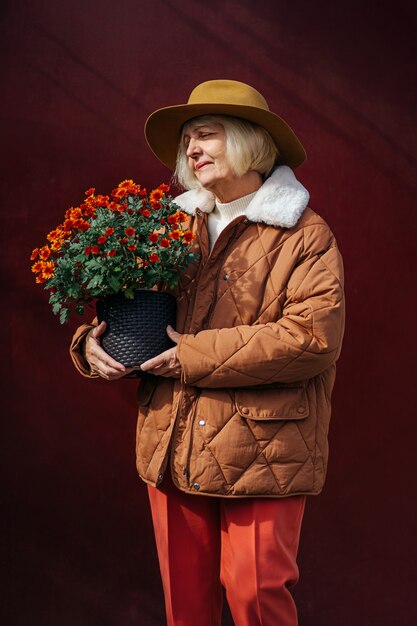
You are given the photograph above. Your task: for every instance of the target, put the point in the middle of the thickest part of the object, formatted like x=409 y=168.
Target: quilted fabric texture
x=262 y=318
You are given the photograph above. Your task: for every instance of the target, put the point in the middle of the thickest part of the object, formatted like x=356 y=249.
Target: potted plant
x=119 y=250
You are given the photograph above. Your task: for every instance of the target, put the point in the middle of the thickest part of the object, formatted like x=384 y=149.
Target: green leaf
x=56 y=308
x=114 y=283
x=64 y=315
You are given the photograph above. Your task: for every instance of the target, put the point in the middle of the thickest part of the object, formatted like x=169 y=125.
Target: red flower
x=154 y=258
x=143 y=192
x=153 y=237
x=132 y=248
x=188 y=236
x=164 y=188
x=34 y=254
x=40 y=278
x=102 y=239
x=155 y=195
x=112 y=252
x=146 y=212
x=48 y=270
x=165 y=243
x=87 y=250
x=83 y=225
x=37 y=267
x=162 y=221
x=95 y=249
x=172 y=219
x=109 y=231
x=90 y=191
x=44 y=253
x=175 y=234
x=155 y=205
x=130 y=231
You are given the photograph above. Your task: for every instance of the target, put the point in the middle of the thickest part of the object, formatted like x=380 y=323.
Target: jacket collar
x=279 y=202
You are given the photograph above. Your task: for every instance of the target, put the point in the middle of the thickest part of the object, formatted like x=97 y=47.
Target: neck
x=229 y=190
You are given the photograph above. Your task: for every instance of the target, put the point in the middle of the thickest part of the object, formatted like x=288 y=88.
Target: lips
x=202 y=164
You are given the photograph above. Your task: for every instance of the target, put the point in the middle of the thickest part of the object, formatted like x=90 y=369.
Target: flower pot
x=136 y=329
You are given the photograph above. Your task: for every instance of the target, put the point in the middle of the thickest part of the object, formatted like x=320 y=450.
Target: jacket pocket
x=145 y=390
x=286 y=403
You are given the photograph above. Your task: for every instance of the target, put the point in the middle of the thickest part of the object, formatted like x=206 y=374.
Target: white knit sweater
x=224 y=213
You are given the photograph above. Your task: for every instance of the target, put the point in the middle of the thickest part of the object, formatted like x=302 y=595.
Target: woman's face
x=206 y=151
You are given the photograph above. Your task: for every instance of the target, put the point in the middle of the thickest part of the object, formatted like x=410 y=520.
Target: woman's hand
x=100 y=362
x=165 y=364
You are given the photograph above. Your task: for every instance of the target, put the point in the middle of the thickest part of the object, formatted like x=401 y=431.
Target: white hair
x=248 y=147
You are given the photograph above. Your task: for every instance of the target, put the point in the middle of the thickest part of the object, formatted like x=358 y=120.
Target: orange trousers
x=247 y=545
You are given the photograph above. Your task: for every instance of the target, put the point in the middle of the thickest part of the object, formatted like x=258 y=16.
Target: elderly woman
x=233 y=420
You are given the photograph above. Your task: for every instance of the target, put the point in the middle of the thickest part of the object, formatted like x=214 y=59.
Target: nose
x=193 y=148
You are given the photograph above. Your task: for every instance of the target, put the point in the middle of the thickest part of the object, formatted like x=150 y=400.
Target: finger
x=157 y=361
x=172 y=334
x=99 y=330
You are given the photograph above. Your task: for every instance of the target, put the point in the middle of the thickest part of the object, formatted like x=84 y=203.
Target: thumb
x=100 y=329
x=172 y=334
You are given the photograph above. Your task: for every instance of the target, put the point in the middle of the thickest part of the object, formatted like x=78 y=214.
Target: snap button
x=198 y=212
x=226 y=277
x=196 y=486
x=202 y=422
x=245 y=410
x=301 y=409
x=160 y=477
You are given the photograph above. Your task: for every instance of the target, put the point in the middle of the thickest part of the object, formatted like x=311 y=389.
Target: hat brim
x=163 y=130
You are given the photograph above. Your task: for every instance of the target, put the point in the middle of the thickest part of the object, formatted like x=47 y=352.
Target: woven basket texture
x=136 y=329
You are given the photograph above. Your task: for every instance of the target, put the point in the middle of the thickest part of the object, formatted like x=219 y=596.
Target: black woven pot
x=136 y=329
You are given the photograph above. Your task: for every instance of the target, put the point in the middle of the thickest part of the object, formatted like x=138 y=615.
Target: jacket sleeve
x=305 y=341
x=76 y=350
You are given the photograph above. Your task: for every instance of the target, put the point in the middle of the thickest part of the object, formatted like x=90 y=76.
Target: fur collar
x=279 y=202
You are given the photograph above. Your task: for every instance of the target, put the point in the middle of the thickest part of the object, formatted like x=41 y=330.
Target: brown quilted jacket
x=262 y=318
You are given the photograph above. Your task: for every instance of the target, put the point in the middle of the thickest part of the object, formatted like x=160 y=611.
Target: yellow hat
x=222 y=97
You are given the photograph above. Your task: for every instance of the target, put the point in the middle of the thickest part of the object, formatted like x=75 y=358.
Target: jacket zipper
x=213 y=302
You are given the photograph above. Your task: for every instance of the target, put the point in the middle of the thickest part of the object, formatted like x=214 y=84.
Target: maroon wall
x=79 y=79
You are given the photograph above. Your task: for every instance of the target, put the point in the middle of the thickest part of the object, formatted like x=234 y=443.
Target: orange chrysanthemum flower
x=165 y=243
x=37 y=267
x=164 y=188
x=188 y=236
x=56 y=245
x=44 y=253
x=175 y=234
x=101 y=201
x=90 y=191
x=155 y=195
x=34 y=254
x=48 y=270
x=40 y=278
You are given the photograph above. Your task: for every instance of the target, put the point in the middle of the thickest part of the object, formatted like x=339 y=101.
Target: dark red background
x=79 y=79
